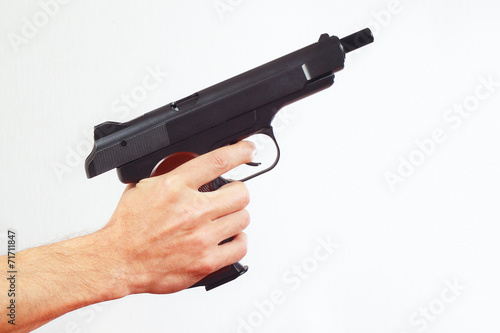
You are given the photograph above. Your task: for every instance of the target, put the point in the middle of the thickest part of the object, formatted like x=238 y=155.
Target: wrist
x=112 y=264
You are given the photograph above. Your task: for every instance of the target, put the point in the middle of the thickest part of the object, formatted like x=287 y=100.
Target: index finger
x=207 y=167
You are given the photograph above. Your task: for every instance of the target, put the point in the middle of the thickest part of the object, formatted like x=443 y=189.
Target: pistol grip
x=222 y=276
x=225 y=274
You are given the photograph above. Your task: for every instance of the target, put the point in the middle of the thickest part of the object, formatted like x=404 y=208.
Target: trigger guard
x=269 y=132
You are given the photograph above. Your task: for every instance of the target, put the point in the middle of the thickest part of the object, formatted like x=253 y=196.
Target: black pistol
x=222 y=114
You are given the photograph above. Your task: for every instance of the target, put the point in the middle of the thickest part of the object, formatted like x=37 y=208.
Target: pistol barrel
x=357 y=40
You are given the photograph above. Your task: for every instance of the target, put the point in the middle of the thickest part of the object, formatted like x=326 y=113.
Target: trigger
x=253 y=164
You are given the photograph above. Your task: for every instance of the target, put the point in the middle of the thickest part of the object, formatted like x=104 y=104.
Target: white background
x=397 y=248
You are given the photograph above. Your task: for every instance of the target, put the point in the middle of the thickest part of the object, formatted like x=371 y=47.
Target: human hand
x=165 y=234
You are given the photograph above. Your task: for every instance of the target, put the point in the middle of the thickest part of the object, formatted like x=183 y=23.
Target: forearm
x=163 y=237
x=58 y=278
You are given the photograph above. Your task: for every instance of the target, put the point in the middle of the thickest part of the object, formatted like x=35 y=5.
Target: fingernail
x=254 y=148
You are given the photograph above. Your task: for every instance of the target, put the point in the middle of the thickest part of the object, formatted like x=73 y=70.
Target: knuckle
x=244 y=218
x=243 y=196
x=187 y=215
x=172 y=183
x=201 y=205
x=243 y=251
x=243 y=246
x=219 y=161
x=206 y=265
x=200 y=244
